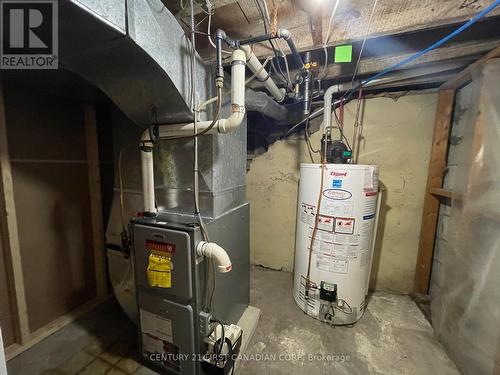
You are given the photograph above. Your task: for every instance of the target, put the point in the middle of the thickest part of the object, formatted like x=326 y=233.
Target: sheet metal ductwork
x=136 y=52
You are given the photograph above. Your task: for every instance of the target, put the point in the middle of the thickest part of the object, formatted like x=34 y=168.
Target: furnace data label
x=156 y=326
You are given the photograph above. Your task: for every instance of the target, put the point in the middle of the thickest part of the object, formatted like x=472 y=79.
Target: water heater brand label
x=338 y=174
x=337 y=194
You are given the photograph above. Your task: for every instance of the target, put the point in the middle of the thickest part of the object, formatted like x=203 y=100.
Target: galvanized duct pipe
x=172 y=131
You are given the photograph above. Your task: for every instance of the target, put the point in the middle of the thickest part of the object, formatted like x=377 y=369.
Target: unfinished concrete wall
x=397 y=136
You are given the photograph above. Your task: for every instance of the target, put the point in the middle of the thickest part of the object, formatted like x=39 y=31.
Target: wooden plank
x=465 y=76
x=3 y=368
x=10 y=236
x=437 y=165
x=316 y=21
x=7 y=308
x=443 y=193
x=95 y=199
x=56 y=325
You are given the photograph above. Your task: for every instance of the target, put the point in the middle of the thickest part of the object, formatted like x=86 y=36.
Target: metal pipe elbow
x=284 y=33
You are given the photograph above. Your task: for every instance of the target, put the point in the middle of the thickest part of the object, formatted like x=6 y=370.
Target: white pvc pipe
x=148 y=183
x=174 y=130
x=256 y=67
x=222 y=125
x=327 y=119
x=215 y=252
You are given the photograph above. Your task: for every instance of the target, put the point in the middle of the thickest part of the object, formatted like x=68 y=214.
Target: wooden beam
x=349 y=24
x=316 y=21
x=95 y=199
x=437 y=164
x=10 y=236
x=443 y=193
x=465 y=76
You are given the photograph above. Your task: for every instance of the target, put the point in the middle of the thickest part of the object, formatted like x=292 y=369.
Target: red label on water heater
x=163 y=247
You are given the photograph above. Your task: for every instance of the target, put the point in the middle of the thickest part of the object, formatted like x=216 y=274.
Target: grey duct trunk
x=136 y=52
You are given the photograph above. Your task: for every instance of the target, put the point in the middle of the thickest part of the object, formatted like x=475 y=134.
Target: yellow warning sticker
x=160 y=271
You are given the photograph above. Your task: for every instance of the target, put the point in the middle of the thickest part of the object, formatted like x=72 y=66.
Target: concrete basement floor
x=393 y=337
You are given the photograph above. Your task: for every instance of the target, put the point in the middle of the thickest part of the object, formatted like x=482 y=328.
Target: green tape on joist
x=343 y=54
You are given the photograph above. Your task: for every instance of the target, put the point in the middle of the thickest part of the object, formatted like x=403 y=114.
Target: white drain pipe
x=215 y=252
x=179 y=130
x=262 y=75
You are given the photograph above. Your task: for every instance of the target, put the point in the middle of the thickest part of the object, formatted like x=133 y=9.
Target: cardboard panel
x=55 y=235
x=41 y=126
x=47 y=150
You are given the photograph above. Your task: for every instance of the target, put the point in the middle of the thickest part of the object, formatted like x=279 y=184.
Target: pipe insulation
x=258 y=101
x=216 y=253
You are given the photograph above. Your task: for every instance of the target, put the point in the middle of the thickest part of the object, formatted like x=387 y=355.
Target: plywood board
x=51 y=192
x=55 y=236
x=43 y=127
x=10 y=236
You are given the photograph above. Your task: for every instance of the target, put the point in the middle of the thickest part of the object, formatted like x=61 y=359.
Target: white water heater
x=335 y=232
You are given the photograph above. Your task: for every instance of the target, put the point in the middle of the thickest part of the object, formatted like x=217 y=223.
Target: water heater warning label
x=307 y=213
x=329 y=264
x=344 y=225
x=326 y=223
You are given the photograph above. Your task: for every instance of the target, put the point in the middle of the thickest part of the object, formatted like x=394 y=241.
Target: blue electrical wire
x=424 y=51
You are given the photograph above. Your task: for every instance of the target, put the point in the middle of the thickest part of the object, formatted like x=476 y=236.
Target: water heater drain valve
x=215 y=252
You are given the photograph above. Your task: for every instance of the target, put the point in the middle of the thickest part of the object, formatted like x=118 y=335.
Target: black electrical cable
x=349 y=312
x=212 y=124
x=308 y=140
x=337 y=120
x=313 y=115
x=214 y=280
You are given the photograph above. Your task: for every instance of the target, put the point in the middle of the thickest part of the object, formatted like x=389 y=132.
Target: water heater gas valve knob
x=215 y=252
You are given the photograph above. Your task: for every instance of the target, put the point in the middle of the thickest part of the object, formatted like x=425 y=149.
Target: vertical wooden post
x=437 y=164
x=95 y=199
x=10 y=236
